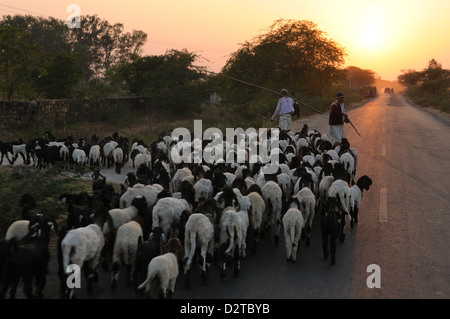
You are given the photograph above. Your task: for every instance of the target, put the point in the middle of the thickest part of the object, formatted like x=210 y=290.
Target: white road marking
x=383 y=205
x=383 y=150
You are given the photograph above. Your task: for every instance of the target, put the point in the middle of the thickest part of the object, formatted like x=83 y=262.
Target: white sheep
x=255 y=216
x=285 y=182
x=272 y=195
x=231 y=239
x=125 y=248
x=178 y=177
x=79 y=157
x=307 y=205
x=163 y=271
x=83 y=246
x=324 y=185
x=293 y=224
x=199 y=232
x=150 y=192
x=108 y=150
x=203 y=188
x=167 y=214
x=347 y=160
x=94 y=155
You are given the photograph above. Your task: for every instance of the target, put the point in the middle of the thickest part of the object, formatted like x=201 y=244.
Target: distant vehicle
x=389 y=90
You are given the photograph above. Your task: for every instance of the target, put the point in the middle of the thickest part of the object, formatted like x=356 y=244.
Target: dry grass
x=145 y=126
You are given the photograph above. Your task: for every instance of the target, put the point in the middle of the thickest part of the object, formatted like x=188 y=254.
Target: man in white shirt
x=285 y=108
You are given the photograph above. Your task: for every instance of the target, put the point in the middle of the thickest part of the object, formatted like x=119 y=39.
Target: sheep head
x=174 y=246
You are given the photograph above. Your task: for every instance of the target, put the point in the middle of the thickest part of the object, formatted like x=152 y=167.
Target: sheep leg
x=342 y=229
x=277 y=231
x=40 y=284
x=223 y=260
x=325 y=235
x=288 y=244
x=28 y=285
x=333 y=240
x=203 y=263
x=237 y=261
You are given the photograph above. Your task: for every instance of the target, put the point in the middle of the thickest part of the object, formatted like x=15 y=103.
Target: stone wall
x=20 y=114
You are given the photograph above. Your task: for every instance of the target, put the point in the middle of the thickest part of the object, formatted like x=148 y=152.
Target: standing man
x=338 y=117
x=285 y=108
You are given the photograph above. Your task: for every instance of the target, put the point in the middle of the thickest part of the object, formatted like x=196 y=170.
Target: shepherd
x=285 y=108
x=338 y=116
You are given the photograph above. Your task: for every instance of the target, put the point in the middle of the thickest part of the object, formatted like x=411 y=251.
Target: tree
x=20 y=63
x=358 y=78
x=62 y=73
x=433 y=79
x=172 y=78
x=105 y=44
x=98 y=43
x=293 y=53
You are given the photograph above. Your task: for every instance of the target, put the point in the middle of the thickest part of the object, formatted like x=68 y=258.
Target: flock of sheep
x=170 y=214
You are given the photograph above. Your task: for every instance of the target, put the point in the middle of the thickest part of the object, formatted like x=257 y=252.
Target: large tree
x=434 y=79
x=358 y=78
x=292 y=54
x=98 y=43
x=20 y=63
x=172 y=78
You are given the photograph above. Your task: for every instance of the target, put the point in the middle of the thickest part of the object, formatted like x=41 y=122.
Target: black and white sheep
x=146 y=251
x=28 y=260
x=340 y=190
x=356 y=193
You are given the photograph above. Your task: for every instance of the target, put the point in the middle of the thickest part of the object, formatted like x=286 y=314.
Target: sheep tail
x=231 y=232
x=193 y=242
x=67 y=252
x=292 y=232
x=151 y=275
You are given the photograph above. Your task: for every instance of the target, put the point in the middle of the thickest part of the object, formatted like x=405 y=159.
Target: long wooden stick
x=354 y=127
x=263 y=88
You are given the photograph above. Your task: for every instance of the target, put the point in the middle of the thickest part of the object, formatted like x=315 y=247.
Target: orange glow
x=382 y=35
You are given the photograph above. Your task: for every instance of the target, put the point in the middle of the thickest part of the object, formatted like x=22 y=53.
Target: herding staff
x=354 y=127
x=272 y=91
x=263 y=88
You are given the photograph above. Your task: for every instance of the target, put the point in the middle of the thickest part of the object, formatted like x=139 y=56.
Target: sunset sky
x=381 y=35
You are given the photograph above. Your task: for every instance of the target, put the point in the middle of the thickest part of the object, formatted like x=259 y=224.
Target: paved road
x=403 y=228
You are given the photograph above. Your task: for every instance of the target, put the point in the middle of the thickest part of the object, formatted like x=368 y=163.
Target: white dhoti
x=285 y=122
x=336 y=133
